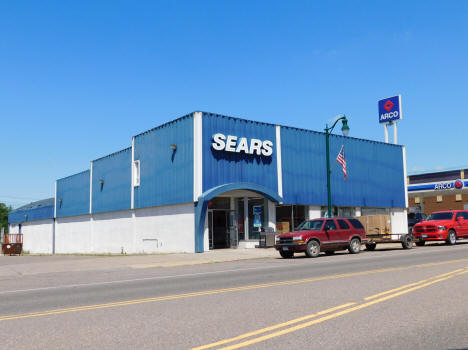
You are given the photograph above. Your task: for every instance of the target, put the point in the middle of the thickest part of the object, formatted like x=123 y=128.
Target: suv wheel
x=313 y=249
x=286 y=255
x=354 y=246
x=451 y=237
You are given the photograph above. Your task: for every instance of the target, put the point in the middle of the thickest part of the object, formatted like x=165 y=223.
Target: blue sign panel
x=390 y=109
x=457 y=185
x=257 y=211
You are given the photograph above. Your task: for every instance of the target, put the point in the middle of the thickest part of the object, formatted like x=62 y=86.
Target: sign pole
x=386 y=132
x=395 y=132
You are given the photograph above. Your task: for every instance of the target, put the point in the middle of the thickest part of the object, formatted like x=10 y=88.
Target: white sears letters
x=241 y=144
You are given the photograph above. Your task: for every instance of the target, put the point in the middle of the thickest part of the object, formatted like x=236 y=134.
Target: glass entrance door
x=222 y=229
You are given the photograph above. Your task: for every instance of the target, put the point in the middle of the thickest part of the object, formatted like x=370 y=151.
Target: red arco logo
x=388 y=105
x=458 y=184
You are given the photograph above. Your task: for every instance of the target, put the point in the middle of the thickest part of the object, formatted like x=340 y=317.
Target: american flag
x=341 y=159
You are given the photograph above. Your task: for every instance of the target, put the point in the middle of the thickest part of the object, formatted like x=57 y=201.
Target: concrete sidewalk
x=37 y=264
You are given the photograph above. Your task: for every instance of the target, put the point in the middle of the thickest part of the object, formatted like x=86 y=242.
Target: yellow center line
x=441 y=278
x=410 y=285
x=219 y=291
x=271 y=328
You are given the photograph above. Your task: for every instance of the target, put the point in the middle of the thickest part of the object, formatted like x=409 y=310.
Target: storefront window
x=256 y=217
x=288 y=217
x=240 y=218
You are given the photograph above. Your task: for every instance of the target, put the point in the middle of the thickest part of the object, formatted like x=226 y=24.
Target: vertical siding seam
x=279 y=161
x=405 y=174
x=197 y=155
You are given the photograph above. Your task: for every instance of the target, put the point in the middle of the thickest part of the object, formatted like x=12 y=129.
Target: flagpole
x=345 y=130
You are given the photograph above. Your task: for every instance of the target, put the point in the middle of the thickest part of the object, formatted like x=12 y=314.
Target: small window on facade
x=458 y=197
x=136 y=173
x=439 y=198
x=343 y=224
x=417 y=200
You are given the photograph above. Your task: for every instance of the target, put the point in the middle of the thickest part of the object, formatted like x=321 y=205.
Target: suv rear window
x=343 y=224
x=356 y=223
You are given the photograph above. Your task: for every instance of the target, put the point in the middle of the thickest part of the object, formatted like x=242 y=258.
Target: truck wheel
x=407 y=242
x=313 y=249
x=451 y=237
x=354 y=246
x=420 y=243
x=371 y=246
x=286 y=255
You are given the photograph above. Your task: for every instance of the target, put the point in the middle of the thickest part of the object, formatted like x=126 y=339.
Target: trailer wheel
x=407 y=242
x=371 y=246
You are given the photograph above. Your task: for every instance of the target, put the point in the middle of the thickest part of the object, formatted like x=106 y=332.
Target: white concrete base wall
x=37 y=236
x=73 y=235
x=113 y=233
x=164 y=229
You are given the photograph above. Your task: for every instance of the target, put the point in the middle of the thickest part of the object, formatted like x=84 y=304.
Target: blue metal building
x=226 y=178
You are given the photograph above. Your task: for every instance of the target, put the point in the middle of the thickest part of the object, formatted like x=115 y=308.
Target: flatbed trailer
x=406 y=239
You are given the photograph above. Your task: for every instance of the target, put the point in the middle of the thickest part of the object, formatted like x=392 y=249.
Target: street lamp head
x=345 y=127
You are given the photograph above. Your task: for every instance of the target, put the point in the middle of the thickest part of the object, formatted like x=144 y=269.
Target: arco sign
x=390 y=109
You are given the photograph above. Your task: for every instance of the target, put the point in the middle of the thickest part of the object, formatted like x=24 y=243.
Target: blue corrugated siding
x=114 y=193
x=166 y=176
x=39 y=213
x=220 y=167
x=375 y=171
x=73 y=195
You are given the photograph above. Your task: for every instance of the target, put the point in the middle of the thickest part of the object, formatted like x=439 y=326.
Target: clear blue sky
x=79 y=78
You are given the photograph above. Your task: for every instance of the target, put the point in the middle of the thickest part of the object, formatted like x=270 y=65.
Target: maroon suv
x=322 y=235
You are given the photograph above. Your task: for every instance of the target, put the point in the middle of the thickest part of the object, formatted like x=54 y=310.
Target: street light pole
x=345 y=131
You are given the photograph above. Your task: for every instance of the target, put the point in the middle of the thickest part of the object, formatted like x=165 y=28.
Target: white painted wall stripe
x=279 y=165
x=132 y=189
x=197 y=155
x=91 y=187
x=55 y=200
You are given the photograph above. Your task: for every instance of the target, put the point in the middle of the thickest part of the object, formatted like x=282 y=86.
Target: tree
x=4 y=210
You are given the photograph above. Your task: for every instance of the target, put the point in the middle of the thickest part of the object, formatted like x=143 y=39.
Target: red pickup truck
x=322 y=235
x=445 y=226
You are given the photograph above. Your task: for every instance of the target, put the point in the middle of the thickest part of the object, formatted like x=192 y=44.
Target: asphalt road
x=387 y=299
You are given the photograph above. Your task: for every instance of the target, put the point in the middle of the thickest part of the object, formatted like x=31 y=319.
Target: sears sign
x=390 y=109
x=231 y=143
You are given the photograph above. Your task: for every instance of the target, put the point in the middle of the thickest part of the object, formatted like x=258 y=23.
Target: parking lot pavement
x=35 y=264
